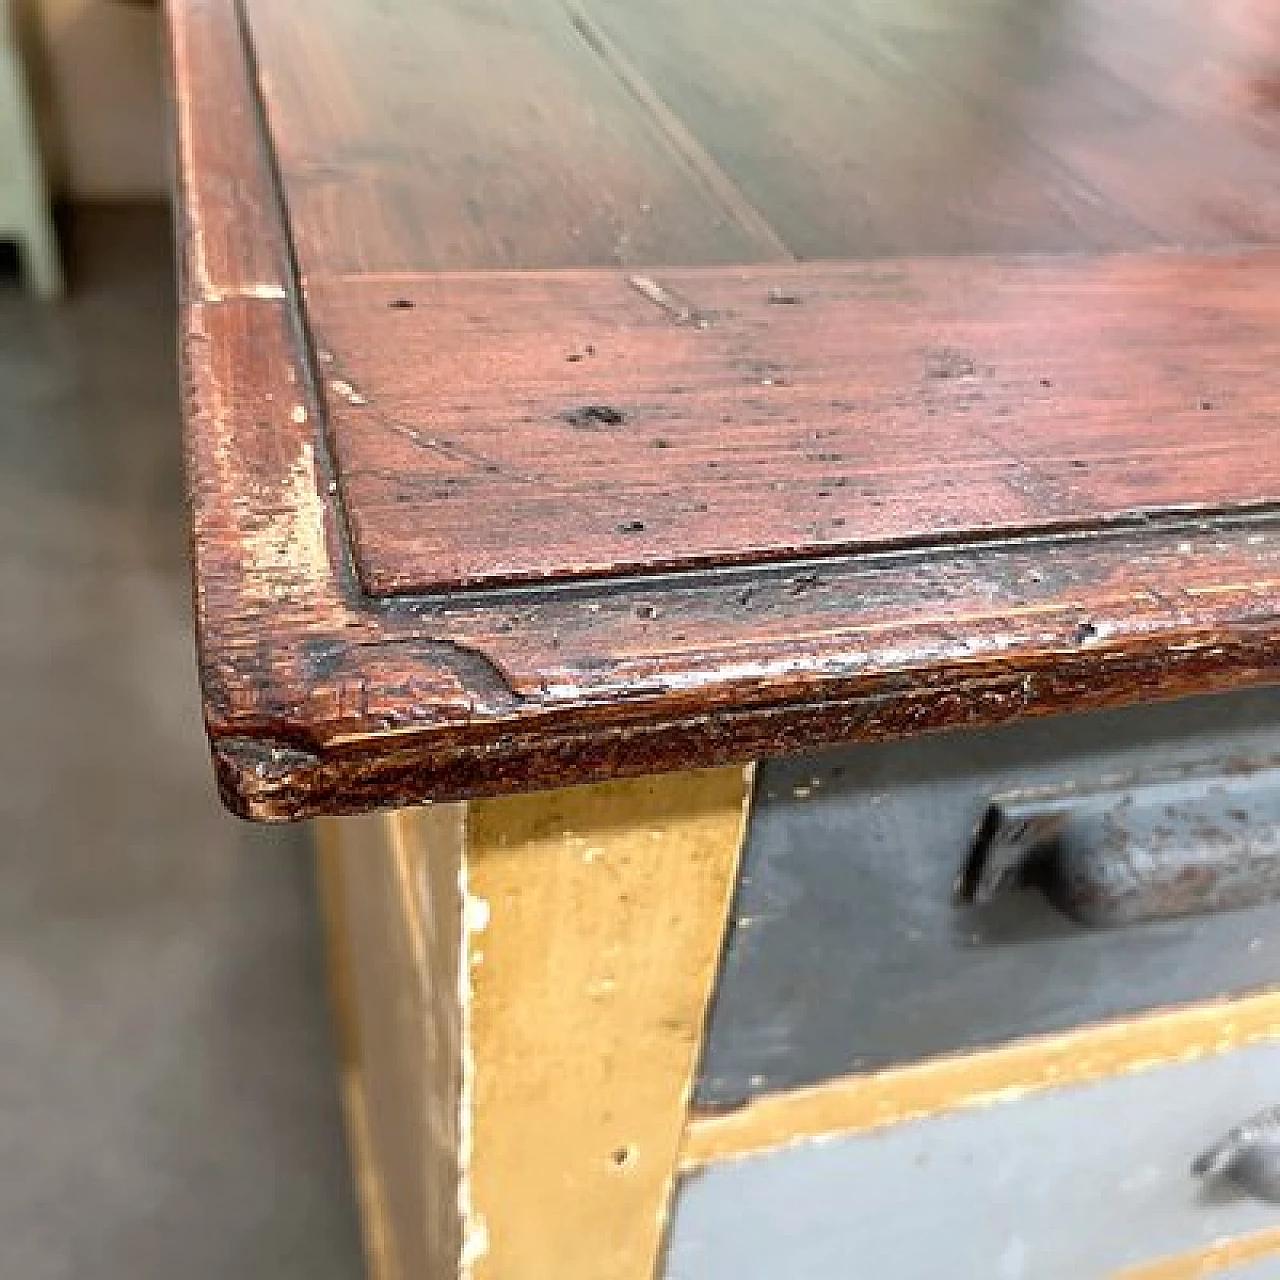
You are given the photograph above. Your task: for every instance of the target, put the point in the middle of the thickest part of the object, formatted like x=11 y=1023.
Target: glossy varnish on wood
x=554 y=133
x=867 y=127
x=343 y=664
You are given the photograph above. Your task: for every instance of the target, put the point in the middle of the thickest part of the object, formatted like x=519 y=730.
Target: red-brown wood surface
x=948 y=126
x=472 y=134
x=496 y=428
x=993 y=584
x=452 y=133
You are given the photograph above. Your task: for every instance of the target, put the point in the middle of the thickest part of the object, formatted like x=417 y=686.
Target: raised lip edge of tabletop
x=321 y=700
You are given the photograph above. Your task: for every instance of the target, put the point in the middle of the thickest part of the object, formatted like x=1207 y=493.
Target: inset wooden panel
x=496 y=428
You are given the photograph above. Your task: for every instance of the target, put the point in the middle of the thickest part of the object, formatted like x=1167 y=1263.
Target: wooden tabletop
x=586 y=387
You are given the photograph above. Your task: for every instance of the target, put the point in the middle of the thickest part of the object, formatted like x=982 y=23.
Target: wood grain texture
x=321 y=698
x=562 y=133
x=899 y=127
x=479 y=134
x=228 y=229
x=879 y=406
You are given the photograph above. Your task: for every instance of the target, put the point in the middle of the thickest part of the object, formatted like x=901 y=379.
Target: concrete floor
x=167 y=1087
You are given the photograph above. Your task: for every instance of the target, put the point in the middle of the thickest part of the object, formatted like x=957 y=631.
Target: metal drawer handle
x=1186 y=842
x=1248 y=1156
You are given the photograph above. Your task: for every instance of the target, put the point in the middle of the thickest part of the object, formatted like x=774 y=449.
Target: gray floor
x=167 y=1099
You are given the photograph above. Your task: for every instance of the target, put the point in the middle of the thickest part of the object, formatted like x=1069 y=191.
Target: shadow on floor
x=168 y=1101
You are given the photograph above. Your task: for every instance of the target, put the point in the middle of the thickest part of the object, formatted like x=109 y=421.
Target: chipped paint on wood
x=603 y=915
x=521 y=1055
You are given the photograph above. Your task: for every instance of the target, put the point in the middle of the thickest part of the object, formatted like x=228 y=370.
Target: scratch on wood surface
x=211 y=293
x=341 y=387
x=680 y=311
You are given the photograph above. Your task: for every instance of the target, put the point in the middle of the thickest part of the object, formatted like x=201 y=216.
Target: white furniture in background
x=24 y=200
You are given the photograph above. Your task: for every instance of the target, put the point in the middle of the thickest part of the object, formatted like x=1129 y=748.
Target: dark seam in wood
x=1165 y=521
x=677 y=134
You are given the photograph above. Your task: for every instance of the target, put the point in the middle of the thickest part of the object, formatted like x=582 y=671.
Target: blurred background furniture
x=586 y=399
x=167 y=1101
x=25 y=214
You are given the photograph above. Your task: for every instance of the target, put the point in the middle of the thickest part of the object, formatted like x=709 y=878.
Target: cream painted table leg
x=521 y=986
x=24 y=200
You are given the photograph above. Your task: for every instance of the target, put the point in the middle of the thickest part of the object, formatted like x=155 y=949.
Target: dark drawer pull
x=1176 y=845
x=1248 y=1156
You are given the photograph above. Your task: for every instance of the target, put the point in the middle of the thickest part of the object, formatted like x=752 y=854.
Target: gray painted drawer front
x=1069 y=1185
x=846 y=951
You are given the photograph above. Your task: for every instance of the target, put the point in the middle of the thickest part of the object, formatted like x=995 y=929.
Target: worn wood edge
x=288 y=745
x=207 y=34
x=379 y=1256
x=1221 y=1255
x=595 y=922
x=855 y=1105
x=269 y=780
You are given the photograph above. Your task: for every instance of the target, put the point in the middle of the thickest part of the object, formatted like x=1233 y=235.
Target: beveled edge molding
x=857 y=1104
